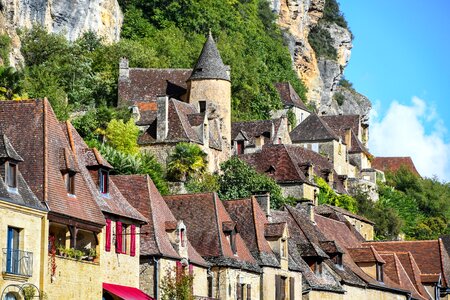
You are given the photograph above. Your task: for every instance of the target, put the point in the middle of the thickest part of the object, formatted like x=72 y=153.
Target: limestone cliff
x=321 y=75
x=70 y=17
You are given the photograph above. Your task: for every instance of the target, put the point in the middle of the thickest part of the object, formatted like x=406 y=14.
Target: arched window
x=11 y=296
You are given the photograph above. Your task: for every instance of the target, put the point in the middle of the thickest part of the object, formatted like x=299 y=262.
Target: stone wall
x=226 y=279
x=353 y=292
x=32 y=238
x=268 y=281
x=364 y=228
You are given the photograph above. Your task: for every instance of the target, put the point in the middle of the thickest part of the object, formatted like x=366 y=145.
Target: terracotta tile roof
x=289 y=96
x=338 y=231
x=204 y=215
x=430 y=278
x=253 y=129
x=142 y=193
x=365 y=255
x=339 y=123
x=252 y=226
x=33 y=129
x=286 y=164
x=412 y=269
x=327 y=210
x=274 y=230
x=392 y=164
x=446 y=242
x=112 y=203
x=304 y=241
x=144 y=85
x=313 y=129
x=396 y=272
x=430 y=256
x=209 y=64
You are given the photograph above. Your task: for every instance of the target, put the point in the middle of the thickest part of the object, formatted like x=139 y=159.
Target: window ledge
x=71 y=195
x=15 y=277
x=13 y=190
x=94 y=262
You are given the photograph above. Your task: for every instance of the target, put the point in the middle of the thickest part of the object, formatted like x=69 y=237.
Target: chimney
x=307 y=205
x=348 y=138
x=206 y=132
x=263 y=199
x=124 y=70
x=162 y=122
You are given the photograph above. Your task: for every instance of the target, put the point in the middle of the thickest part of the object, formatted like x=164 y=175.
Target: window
x=12 y=251
x=11 y=175
x=279 y=141
x=240 y=147
x=182 y=237
x=338 y=259
x=11 y=296
x=315 y=147
x=103 y=181
x=379 y=272
x=124 y=239
x=202 y=106
x=284 y=250
x=69 y=181
x=119 y=236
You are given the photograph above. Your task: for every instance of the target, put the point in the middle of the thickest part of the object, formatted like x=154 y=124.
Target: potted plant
x=77 y=254
x=60 y=249
x=92 y=254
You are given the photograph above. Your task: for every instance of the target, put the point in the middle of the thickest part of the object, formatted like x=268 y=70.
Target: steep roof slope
x=142 y=193
x=32 y=127
x=313 y=129
x=392 y=164
x=207 y=220
x=289 y=96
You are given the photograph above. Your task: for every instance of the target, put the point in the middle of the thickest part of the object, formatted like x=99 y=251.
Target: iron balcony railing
x=17 y=262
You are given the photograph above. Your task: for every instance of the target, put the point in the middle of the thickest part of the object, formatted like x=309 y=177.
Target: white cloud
x=402 y=132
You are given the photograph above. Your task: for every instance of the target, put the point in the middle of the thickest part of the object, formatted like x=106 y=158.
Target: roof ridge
x=155 y=223
x=253 y=200
x=216 y=214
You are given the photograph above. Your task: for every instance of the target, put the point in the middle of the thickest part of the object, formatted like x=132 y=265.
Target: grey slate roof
x=7 y=150
x=209 y=64
x=313 y=129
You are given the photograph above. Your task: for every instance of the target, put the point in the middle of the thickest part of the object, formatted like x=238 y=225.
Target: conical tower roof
x=209 y=64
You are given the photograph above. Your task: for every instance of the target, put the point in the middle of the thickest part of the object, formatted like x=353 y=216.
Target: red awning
x=126 y=292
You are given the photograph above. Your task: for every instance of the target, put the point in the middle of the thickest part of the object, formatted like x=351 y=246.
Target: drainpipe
x=156 y=278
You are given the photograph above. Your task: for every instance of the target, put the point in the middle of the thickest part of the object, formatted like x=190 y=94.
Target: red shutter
x=179 y=271
x=118 y=237
x=133 y=241
x=108 y=235
x=191 y=270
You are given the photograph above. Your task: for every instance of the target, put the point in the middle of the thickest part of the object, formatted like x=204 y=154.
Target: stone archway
x=18 y=291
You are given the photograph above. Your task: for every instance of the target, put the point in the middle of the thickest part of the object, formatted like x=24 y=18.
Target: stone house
x=361 y=224
x=180 y=105
x=165 y=246
x=291 y=102
x=23 y=228
x=268 y=243
x=120 y=248
x=235 y=273
x=390 y=269
x=56 y=167
x=294 y=168
x=315 y=134
x=250 y=136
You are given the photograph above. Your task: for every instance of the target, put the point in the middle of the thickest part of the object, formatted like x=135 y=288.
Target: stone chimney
x=124 y=70
x=263 y=199
x=206 y=132
x=348 y=138
x=309 y=207
x=162 y=121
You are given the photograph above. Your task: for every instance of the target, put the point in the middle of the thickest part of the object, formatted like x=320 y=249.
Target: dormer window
x=182 y=237
x=202 y=106
x=69 y=181
x=11 y=175
x=240 y=147
x=231 y=237
x=380 y=272
x=338 y=259
x=103 y=181
x=284 y=248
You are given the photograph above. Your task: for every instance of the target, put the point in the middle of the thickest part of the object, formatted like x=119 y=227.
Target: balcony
x=17 y=262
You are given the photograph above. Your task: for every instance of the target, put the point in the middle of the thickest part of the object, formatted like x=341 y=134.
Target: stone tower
x=209 y=88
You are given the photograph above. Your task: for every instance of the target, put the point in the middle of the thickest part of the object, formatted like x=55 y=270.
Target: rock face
x=320 y=75
x=70 y=17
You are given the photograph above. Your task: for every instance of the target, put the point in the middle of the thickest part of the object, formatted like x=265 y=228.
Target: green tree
x=202 y=184
x=239 y=180
x=328 y=196
x=122 y=136
x=186 y=161
x=177 y=287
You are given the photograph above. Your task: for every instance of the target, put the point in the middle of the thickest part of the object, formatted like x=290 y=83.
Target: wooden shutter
x=249 y=292
x=108 y=235
x=277 y=287
x=238 y=291
x=133 y=241
x=292 y=288
x=179 y=271
x=118 y=237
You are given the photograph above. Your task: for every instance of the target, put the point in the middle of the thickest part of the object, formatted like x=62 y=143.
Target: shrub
x=122 y=136
x=322 y=43
x=328 y=196
x=339 y=98
x=332 y=13
x=187 y=161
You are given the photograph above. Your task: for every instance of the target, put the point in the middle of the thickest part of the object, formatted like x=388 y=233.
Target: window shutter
x=277 y=287
x=108 y=235
x=238 y=291
x=118 y=237
x=179 y=271
x=133 y=241
x=292 y=288
x=191 y=269
x=249 y=292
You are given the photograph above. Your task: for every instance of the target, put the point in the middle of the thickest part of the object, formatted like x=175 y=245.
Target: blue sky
x=401 y=62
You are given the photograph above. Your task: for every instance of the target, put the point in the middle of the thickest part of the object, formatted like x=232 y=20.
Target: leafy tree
x=141 y=163
x=321 y=41
x=11 y=84
x=239 y=180
x=332 y=13
x=122 y=136
x=340 y=98
x=178 y=287
x=202 y=184
x=186 y=161
x=5 y=48
x=292 y=119
x=328 y=196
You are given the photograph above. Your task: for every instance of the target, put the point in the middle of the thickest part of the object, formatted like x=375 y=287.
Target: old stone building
x=165 y=246
x=268 y=243
x=291 y=103
x=235 y=273
x=179 y=105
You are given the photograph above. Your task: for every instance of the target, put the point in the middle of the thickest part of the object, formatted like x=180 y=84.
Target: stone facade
x=32 y=238
x=298 y=191
x=226 y=280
